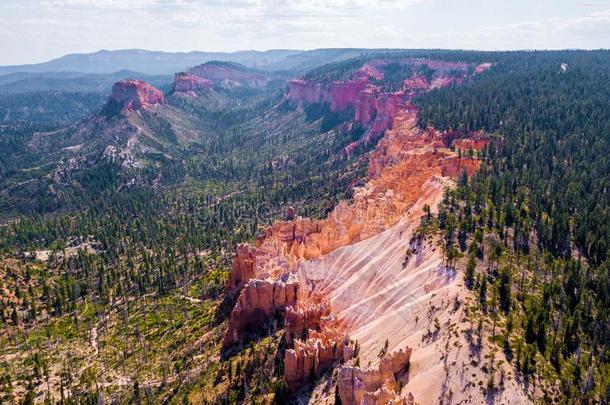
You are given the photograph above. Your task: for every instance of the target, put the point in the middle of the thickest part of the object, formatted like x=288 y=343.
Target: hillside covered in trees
x=539 y=211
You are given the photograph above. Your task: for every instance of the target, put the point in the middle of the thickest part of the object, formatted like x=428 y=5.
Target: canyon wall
x=406 y=173
x=369 y=295
x=375 y=108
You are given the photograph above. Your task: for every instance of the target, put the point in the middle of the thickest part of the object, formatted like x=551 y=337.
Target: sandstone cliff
x=365 y=90
x=376 y=385
x=405 y=173
x=131 y=95
x=359 y=277
x=190 y=84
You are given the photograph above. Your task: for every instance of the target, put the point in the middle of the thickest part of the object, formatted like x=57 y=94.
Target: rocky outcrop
x=258 y=304
x=131 y=95
x=309 y=358
x=229 y=74
x=320 y=280
x=344 y=95
x=456 y=166
x=244 y=266
x=476 y=142
x=375 y=385
x=308 y=91
x=417 y=83
x=399 y=167
x=482 y=67
x=374 y=108
x=190 y=84
x=341 y=95
x=300 y=320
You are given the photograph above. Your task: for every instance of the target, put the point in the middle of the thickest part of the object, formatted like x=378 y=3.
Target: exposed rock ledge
x=131 y=95
x=377 y=385
x=296 y=275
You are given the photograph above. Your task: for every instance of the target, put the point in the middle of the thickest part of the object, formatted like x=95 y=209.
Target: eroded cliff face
x=190 y=84
x=376 y=385
x=375 y=108
x=259 y=302
x=337 y=297
x=131 y=95
x=373 y=299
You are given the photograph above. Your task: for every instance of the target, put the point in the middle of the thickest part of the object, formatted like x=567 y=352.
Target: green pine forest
x=533 y=225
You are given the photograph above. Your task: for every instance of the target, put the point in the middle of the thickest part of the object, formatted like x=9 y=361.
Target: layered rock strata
x=258 y=304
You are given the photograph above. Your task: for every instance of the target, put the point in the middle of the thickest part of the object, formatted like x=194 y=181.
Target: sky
x=39 y=30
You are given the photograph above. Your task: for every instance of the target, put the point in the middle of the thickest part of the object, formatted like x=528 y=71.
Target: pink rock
x=345 y=94
x=244 y=266
x=482 y=67
x=300 y=90
x=375 y=385
x=300 y=320
x=132 y=95
x=313 y=355
x=257 y=304
x=417 y=83
x=187 y=83
x=366 y=107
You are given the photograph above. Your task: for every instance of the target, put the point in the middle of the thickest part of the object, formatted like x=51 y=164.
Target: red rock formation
x=300 y=320
x=314 y=355
x=259 y=302
x=244 y=266
x=375 y=110
x=340 y=95
x=300 y=90
x=443 y=81
x=187 y=83
x=131 y=95
x=455 y=166
x=375 y=385
x=478 y=142
x=345 y=94
x=405 y=171
x=387 y=106
x=482 y=67
x=417 y=83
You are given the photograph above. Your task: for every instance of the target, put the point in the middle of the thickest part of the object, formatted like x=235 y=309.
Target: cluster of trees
x=537 y=216
x=48 y=107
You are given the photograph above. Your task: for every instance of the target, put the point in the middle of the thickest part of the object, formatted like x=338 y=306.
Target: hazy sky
x=39 y=30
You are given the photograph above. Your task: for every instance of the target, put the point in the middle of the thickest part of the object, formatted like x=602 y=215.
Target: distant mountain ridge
x=158 y=62
x=71 y=81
